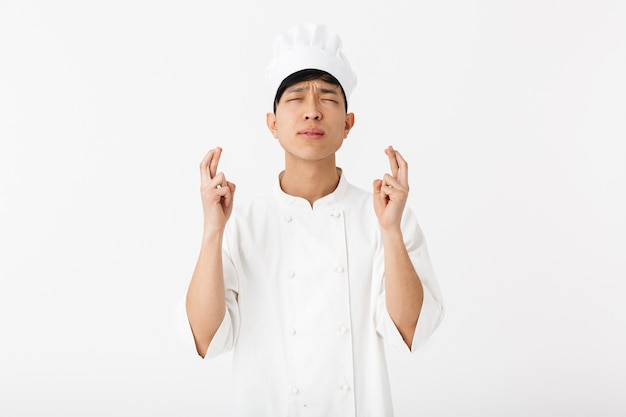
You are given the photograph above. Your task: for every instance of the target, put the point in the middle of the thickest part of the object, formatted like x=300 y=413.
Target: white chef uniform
x=306 y=312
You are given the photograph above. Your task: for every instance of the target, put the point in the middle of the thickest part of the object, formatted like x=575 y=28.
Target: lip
x=311 y=133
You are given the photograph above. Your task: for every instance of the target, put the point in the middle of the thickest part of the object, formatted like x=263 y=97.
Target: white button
x=295 y=391
x=339 y=269
x=291 y=274
x=343 y=329
x=292 y=331
x=288 y=218
x=345 y=387
x=335 y=214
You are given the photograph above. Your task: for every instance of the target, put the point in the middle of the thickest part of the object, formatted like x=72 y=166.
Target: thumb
x=379 y=201
x=377 y=186
x=228 y=200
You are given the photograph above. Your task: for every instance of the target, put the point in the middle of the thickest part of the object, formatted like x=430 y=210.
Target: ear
x=270 y=120
x=349 y=124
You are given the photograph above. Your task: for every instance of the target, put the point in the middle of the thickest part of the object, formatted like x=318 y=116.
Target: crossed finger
x=399 y=167
x=215 y=161
x=208 y=166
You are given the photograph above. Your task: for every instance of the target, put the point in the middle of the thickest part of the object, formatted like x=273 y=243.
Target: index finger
x=393 y=161
x=214 y=162
x=208 y=165
x=403 y=169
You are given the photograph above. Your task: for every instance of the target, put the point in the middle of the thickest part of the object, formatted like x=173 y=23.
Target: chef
x=306 y=283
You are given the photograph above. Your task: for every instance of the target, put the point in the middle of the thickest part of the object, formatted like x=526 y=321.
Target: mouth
x=311 y=133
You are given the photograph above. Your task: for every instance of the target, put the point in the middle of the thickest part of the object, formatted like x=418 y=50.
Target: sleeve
x=226 y=335
x=432 y=311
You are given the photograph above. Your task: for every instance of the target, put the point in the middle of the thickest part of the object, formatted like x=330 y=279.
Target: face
x=310 y=121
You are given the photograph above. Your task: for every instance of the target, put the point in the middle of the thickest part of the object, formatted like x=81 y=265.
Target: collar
x=328 y=200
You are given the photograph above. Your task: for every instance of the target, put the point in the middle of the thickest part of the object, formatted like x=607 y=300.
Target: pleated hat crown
x=309 y=46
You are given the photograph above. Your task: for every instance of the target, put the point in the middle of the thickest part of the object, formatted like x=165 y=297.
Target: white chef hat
x=309 y=46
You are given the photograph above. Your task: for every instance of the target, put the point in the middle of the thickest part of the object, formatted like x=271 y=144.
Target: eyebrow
x=322 y=90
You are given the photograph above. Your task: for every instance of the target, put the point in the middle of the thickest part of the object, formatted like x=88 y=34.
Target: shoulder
x=357 y=197
x=358 y=203
x=250 y=224
x=254 y=210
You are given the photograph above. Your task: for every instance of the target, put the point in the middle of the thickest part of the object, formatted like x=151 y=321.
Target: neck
x=310 y=181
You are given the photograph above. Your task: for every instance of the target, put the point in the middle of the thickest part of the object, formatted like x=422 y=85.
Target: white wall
x=512 y=117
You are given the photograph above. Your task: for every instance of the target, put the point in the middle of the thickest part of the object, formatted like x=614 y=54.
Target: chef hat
x=309 y=46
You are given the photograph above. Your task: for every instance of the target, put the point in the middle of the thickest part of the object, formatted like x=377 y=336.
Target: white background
x=510 y=113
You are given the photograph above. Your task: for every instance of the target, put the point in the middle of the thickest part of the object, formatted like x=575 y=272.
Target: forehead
x=317 y=84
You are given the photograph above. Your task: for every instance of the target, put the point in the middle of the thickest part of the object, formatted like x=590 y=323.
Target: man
x=304 y=284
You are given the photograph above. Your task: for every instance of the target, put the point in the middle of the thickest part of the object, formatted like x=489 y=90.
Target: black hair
x=307 y=75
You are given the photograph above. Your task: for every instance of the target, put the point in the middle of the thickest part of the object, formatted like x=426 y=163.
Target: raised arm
x=403 y=288
x=206 y=304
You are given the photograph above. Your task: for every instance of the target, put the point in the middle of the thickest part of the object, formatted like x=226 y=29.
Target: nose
x=313 y=115
x=312 y=111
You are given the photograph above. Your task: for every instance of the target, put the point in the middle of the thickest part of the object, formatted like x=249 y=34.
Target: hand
x=391 y=193
x=217 y=193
